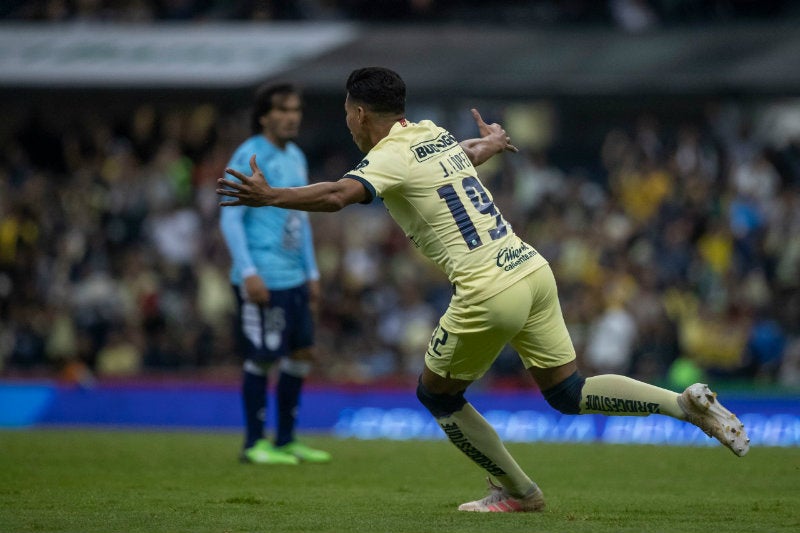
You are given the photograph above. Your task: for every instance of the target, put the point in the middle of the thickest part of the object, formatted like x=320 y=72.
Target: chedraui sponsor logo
x=607 y=404
x=511 y=258
x=431 y=147
x=455 y=435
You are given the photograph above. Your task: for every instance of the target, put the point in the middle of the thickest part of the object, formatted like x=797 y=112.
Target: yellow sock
x=610 y=394
x=474 y=436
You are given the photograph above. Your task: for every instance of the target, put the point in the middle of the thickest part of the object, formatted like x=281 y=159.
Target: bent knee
x=566 y=396
x=440 y=405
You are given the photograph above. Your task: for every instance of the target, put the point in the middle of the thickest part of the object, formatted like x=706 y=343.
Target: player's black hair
x=262 y=103
x=381 y=89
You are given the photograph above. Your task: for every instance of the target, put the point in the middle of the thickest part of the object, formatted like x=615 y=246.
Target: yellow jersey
x=431 y=189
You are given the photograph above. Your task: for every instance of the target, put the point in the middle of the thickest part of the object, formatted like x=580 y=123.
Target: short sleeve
x=383 y=169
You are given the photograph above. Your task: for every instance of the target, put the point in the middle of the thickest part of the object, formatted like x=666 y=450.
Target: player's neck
x=381 y=128
x=278 y=142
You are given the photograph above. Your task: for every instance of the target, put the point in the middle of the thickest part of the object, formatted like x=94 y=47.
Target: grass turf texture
x=125 y=481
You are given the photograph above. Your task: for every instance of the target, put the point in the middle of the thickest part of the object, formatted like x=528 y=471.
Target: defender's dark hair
x=262 y=103
x=381 y=89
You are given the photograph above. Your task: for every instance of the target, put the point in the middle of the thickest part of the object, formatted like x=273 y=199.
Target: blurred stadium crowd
x=679 y=246
x=676 y=242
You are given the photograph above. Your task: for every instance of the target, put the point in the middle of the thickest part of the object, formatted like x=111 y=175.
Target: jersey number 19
x=480 y=200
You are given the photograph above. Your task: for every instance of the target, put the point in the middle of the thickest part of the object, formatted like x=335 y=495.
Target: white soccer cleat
x=500 y=501
x=703 y=410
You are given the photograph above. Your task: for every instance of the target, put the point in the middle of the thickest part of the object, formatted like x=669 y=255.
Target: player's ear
x=363 y=114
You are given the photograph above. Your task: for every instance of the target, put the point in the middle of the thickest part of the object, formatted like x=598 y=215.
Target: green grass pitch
x=145 y=481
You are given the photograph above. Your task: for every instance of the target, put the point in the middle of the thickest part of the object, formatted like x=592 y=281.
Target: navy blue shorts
x=269 y=332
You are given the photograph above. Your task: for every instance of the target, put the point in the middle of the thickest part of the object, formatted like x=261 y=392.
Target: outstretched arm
x=255 y=191
x=493 y=140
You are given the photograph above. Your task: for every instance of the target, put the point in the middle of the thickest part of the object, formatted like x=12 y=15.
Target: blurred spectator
x=406 y=329
x=765 y=349
x=633 y=15
x=535 y=180
x=611 y=342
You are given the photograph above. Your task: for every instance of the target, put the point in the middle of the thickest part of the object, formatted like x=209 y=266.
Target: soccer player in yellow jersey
x=503 y=290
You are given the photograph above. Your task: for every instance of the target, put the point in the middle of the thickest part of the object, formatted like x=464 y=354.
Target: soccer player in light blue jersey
x=275 y=278
x=504 y=291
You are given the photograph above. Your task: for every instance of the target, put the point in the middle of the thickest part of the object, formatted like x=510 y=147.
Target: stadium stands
x=672 y=220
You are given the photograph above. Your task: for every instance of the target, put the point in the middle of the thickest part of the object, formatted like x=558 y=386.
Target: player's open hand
x=252 y=191
x=494 y=130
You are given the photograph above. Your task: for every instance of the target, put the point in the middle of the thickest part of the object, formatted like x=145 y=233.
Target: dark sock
x=254 y=400
x=288 y=394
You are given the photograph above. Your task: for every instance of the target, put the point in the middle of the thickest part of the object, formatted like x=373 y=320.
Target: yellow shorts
x=527 y=315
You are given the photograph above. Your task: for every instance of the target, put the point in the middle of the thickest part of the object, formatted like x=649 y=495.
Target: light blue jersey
x=276 y=243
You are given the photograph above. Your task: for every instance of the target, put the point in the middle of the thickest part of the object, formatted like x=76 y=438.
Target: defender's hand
x=252 y=191
x=256 y=290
